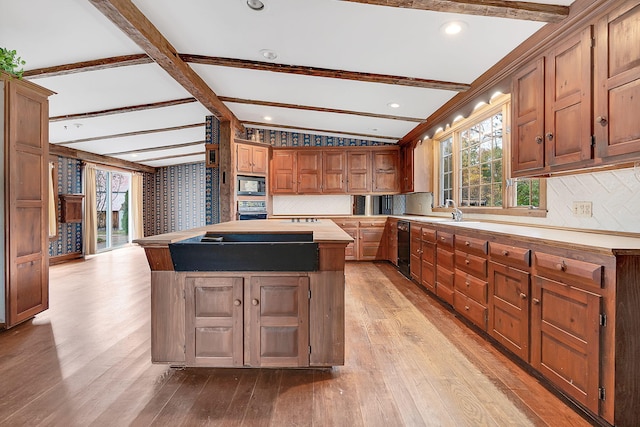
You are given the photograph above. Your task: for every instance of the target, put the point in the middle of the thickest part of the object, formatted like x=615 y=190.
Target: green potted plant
x=11 y=62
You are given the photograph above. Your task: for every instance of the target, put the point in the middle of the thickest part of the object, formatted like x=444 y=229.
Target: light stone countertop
x=592 y=241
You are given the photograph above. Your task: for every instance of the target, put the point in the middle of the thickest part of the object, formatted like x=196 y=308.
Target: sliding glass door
x=112 y=204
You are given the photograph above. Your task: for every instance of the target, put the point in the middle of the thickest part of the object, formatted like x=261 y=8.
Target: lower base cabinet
x=565 y=338
x=260 y=321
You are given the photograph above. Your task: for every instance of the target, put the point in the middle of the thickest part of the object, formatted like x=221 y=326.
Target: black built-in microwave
x=251 y=186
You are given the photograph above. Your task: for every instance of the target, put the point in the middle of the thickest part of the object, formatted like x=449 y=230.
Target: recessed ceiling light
x=374 y=129
x=268 y=118
x=134 y=155
x=269 y=54
x=393 y=105
x=255 y=4
x=454 y=27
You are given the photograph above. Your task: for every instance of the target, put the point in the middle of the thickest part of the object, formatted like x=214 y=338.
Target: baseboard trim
x=65 y=258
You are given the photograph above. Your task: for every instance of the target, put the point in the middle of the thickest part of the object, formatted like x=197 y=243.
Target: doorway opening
x=112 y=205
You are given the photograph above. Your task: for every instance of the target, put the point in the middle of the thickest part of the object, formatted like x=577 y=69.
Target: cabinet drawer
x=472 y=264
x=471 y=245
x=346 y=223
x=428 y=235
x=471 y=286
x=470 y=309
x=568 y=271
x=371 y=235
x=444 y=277
x=510 y=255
x=445 y=258
x=445 y=240
x=371 y=223
x=428 y=276
x=415 y=231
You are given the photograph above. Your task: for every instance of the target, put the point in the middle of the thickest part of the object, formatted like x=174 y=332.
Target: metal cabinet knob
x=467 y=243
x=523 y=295
x=237 y=302
x=562 y=266
x=536 y=301
x=505 y=253
x=254 y=301
x=549 y=136
x=466 y=261
x=602 y=120
x=539 y=139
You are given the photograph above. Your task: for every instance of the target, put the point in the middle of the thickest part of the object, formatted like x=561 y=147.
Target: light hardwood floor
x=409 y=362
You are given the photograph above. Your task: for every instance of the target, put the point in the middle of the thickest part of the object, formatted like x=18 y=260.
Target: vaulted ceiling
x=135 y=79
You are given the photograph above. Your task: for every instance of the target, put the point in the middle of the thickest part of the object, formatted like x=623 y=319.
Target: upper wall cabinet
x=617 y=95
x=251 y=159
x=552 y=109
x=360 y=170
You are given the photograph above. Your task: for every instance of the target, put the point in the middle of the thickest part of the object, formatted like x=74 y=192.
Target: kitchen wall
x=174 y=199
x=69 y=236
x=615 y=198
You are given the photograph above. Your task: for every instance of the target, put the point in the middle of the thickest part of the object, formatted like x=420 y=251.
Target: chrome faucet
x=457 y=213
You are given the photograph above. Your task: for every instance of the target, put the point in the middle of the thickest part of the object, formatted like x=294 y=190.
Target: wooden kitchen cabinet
x=415 y=248
x=428 y=262
x=551 y=109
x=617 y=79
x=309 y=172
x=371 y=246
x=407 y=173
x=470 y=283
x=251 y=159
x=259 y=321
x=358 y=172
x=284 y=179
x=391 y=240
x=25 y=127
x=334 y=177
x=565 y=338
x=386 y=171
x=445 y=266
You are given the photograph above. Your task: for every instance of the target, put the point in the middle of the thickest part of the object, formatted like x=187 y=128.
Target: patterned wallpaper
x=69 y=182
x=279 y=138
x=212 y=179
x=174 y=199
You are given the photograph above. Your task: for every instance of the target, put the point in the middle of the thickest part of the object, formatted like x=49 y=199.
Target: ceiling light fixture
x=453 y=28
x=393 y=105
x=268 y=118
x=255 y=4
x=269 y=54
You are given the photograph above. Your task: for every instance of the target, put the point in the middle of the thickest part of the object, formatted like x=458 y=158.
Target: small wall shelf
x=71 y=207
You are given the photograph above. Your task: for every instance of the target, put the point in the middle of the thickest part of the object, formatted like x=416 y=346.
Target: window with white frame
x=473 y=164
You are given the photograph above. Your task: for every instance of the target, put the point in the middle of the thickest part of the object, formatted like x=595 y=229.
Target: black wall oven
x=252 y=209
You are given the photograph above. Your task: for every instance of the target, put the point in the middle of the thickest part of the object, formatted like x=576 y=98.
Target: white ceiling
x=329 y=34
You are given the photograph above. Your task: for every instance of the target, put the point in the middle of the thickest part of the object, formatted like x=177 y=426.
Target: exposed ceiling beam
x=125 y=15
x=496 y=8
x=71 y=153
x=324 y=72
x=120 y=110
x=336 y=132
x=94 y=65
x=134 y=133
x=319 y=109
x=152 y=149
x=175 y=156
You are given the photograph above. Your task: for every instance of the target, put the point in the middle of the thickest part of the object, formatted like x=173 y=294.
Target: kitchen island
x=241 y=312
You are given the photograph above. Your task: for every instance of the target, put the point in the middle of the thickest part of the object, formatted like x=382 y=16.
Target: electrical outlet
x=582 y=209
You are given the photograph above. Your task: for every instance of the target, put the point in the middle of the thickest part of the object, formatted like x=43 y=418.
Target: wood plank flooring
x=409 y=362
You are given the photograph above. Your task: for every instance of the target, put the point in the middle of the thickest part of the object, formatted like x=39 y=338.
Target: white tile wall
x=312 y=205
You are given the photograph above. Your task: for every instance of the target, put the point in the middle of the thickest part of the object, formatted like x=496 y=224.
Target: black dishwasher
x=404 y=251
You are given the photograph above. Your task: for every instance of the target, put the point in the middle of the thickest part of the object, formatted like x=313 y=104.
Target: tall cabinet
x=24 y=141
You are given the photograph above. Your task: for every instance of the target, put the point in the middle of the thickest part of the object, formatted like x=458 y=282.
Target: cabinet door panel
x=335 y=168
x=527 y=154
x=617 y=99
x=565 y=338
x=279 y=321
x=284 y=172
x=509 y=308
x=309 y=172
x=260 y=158
x=214 y=321
x=243 y=158
x=470 y=309
x=359 y=172
x=386 y=177
x=568 y=103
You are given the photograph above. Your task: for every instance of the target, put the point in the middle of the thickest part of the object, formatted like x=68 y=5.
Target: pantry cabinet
x=24 y=136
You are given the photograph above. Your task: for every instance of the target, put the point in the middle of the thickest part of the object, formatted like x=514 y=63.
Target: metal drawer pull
x=467 y=243
x=254 y=302
x=505 y=253
x=466 y=261
x=466 y=307
x=536 y=301
x=237 y=302
x=523 y=295
x=562 y=266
